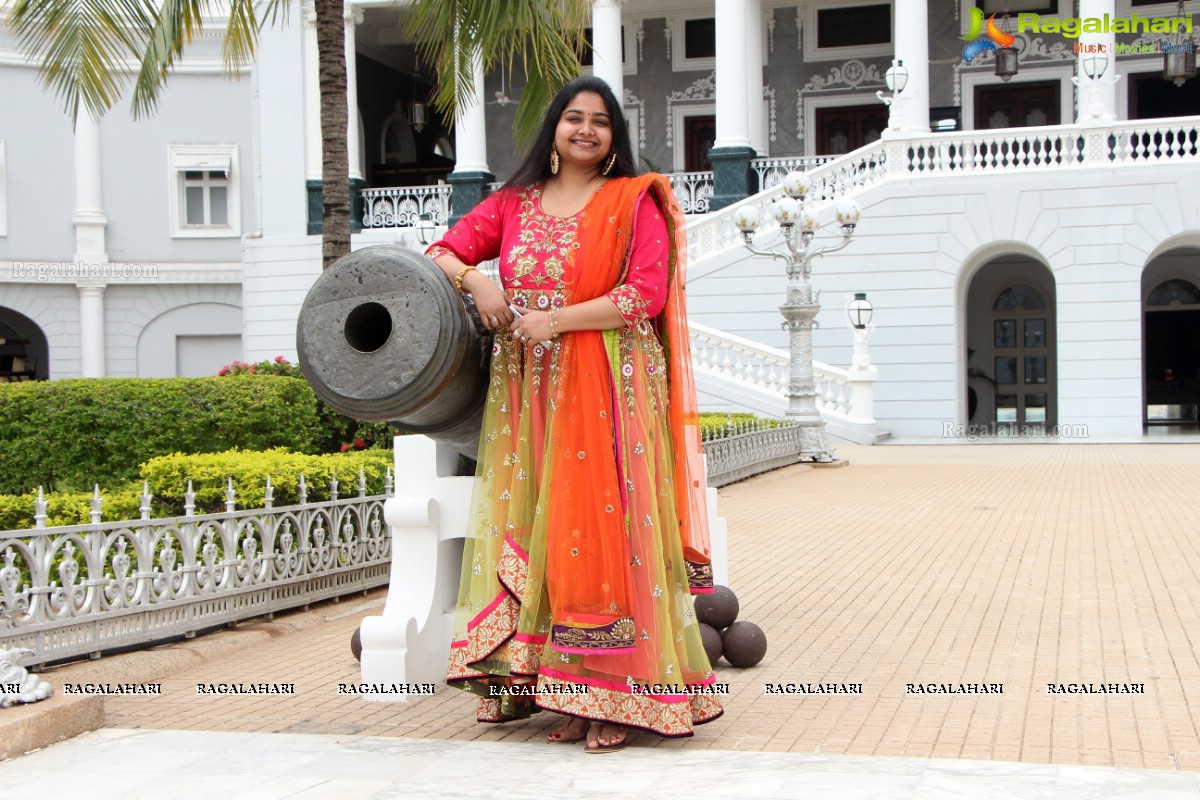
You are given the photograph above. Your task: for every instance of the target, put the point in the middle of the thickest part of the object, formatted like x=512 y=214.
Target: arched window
x=1020 y=295
x=1175 y=291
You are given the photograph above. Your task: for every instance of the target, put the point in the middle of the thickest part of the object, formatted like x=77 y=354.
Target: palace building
x=1030 y=238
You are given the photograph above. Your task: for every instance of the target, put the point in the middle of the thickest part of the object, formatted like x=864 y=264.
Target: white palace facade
x=1030 y=244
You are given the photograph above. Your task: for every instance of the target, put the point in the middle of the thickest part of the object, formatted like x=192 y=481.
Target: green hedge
x=339 y=432
x=66 y=435
x=209 y=473
x=167 y=477
x=715 y=424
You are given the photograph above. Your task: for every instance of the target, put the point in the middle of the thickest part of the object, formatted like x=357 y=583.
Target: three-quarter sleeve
x=644 y=292
x=476 y=237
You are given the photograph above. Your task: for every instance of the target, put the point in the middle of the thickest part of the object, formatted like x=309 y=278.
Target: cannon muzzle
x=382 y=336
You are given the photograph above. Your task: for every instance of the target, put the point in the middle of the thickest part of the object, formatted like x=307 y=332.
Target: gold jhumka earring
x=553 y=160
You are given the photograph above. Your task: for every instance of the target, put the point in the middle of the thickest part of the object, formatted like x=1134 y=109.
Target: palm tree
x=82 y=45
x=544 y=38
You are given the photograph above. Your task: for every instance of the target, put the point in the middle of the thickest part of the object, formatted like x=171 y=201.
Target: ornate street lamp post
x=800 y=310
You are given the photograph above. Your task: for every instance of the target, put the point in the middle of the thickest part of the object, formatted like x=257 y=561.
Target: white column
x=312 y=97
x=89 y=218
x=91 y=329
x=1102 y=91
x=754 y=73
x=354 y=17
x=911 y=40
x=470 y=127
x=606 y=45
x=733 y=118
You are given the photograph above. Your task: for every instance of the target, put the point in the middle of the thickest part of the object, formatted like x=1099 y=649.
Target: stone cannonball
x=718 y=609
x=356 y=643
x=745 y=644
x=383 y=336
x=712 y=643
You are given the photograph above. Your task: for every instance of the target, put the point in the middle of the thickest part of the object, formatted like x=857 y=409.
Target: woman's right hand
x=489 y=299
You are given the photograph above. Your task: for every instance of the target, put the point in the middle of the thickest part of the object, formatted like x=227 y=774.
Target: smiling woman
x=589 y=527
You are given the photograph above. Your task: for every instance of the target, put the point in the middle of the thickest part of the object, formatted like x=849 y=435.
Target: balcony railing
x=771 y=171
x=402 y=207
x=1011 y=150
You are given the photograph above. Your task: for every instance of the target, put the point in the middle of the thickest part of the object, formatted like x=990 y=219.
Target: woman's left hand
x=532 y=327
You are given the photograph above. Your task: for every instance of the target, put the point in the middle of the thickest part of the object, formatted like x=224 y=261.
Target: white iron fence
x=82 y=589
x=742 y=451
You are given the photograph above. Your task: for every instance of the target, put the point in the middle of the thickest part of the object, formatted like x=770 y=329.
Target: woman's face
x=584 y=133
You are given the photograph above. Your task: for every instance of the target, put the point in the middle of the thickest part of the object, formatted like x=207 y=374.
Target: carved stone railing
x=715 y=233
x=82 y=589
x=1020 y=149
x=758 y=375
x=403 y=206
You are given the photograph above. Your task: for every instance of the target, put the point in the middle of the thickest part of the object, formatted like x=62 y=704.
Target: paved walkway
x=951 y=567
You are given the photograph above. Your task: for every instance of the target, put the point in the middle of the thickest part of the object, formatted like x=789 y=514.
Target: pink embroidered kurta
x=643 y=667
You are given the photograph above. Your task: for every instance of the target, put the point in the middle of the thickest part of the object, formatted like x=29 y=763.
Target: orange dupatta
x=588 y=555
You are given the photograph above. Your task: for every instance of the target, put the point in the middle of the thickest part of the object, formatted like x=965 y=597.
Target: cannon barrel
x=382 y=336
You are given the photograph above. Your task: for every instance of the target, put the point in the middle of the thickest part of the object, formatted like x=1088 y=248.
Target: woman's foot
x=603 y=737
x=571 y=729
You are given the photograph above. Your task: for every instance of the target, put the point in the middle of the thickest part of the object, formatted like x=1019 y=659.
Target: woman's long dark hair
x=536 y=166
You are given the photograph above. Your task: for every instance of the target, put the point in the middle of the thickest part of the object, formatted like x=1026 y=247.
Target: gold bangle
x=553 y=323
x=458 y=279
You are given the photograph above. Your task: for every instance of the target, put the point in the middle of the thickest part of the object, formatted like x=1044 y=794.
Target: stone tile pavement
x=1018 y=565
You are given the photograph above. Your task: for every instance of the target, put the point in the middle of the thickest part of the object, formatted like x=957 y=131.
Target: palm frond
x=82 y=46
x=175 y=24
x=541 y=38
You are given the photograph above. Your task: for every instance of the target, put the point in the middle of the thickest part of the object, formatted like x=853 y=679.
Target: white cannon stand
x=410 y=643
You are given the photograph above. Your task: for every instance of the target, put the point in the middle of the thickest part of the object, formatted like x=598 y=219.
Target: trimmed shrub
x=210 y=473
x=69 y=434
x=167 y=477
x=339 y=433
x=714 y=424
x=67 y=508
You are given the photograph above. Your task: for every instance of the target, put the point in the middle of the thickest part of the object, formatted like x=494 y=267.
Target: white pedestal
x=410 y=642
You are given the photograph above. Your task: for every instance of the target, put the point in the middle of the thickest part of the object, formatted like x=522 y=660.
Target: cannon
x=382 y=336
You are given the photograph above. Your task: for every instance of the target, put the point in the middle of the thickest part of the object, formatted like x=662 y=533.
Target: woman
x=589 y=526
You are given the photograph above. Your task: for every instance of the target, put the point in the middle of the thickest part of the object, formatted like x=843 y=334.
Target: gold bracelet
x=458 y=279
x=553 y=323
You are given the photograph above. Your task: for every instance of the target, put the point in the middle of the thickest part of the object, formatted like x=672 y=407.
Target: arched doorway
x=1171 y=340
x=24 y=351
x=1012 y=349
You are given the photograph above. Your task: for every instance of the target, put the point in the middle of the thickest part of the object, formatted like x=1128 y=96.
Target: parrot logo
x=996 y=38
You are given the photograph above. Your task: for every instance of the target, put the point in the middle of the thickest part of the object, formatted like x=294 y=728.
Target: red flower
x=279 y=359
x=359 y=443
x=345 y=447
x=251 y=370
x=224 y=370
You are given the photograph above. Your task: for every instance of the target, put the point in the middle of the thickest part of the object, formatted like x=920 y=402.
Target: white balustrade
x=761 y=372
